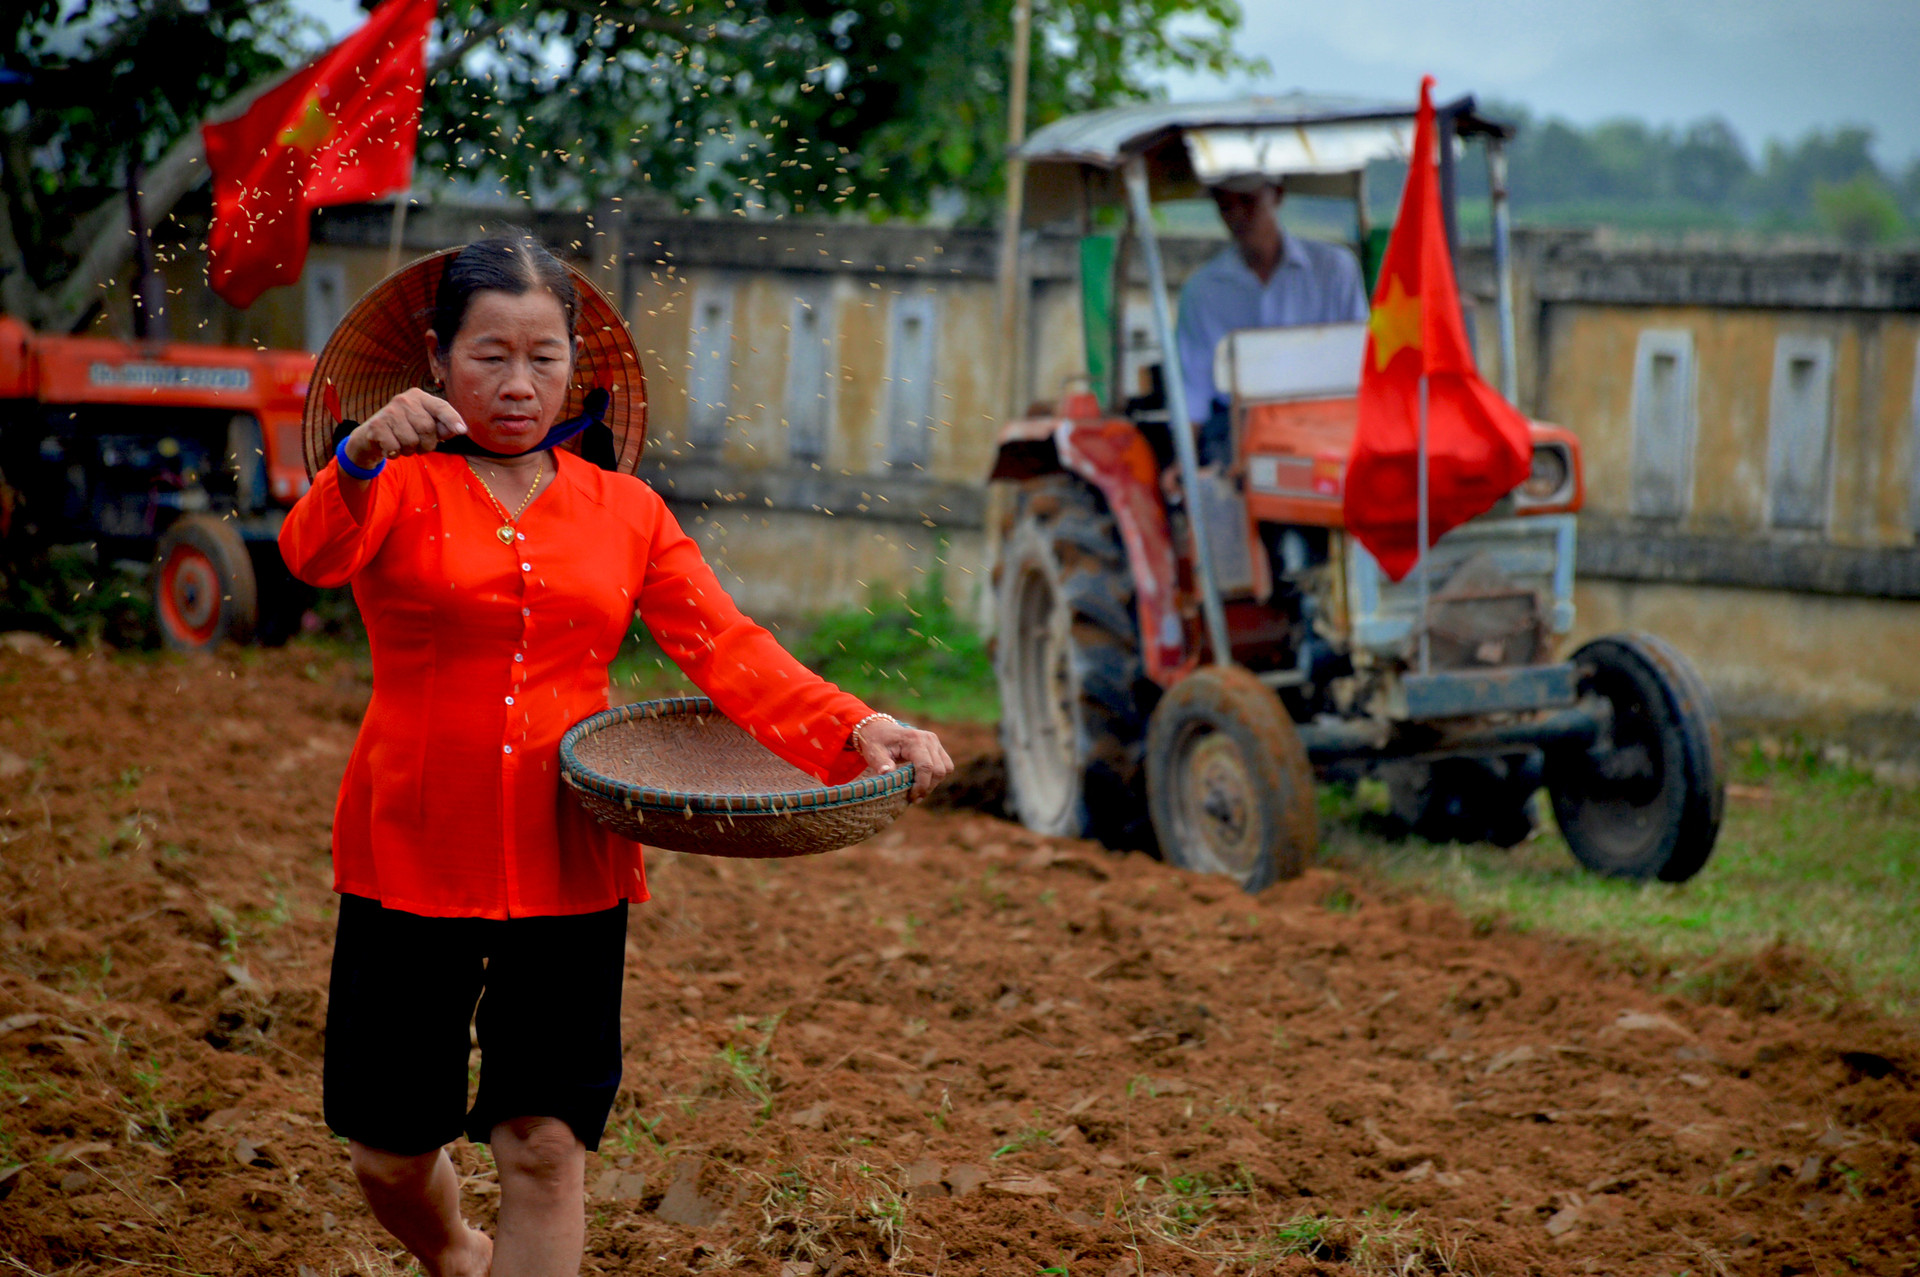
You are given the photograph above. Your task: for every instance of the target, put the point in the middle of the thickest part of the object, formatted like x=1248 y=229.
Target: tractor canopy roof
x=1317 y=143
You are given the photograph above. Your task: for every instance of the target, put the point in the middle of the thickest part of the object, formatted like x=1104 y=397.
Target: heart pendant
x=505 y=533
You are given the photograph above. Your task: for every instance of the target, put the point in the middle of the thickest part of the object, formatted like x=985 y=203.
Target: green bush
x=65 y=592
x=1859 y=211
x=912 y=653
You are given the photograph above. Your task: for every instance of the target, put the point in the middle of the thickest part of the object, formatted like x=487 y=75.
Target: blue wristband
x=347 y=466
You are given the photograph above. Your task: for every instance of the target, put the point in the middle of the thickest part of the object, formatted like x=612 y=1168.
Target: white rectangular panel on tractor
x=1282 y=151
x=1311 y=361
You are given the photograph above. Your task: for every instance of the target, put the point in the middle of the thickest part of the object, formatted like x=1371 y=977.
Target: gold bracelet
x=853 y=737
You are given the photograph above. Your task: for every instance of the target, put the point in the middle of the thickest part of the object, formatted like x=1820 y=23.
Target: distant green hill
x=1631 y=175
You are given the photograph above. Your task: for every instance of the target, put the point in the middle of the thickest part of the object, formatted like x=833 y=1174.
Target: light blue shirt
x=1314 y=283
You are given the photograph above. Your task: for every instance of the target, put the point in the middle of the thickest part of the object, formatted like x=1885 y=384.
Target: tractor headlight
x=1549 y=475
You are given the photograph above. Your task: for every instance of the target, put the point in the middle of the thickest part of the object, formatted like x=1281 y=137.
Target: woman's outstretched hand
x=413 y=421
x=885 y=745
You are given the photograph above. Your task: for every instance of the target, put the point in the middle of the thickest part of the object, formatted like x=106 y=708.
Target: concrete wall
x=1763 y=517
x=802 y=528
x=1869 y=403
x=1832 y=667
x=792 y=529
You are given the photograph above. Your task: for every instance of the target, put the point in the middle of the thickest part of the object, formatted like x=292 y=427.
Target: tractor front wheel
x=1228 y=780
x=204 y=588
x=1645 y=800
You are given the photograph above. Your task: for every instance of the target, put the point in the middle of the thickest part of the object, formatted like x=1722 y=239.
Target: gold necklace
x=505 y=530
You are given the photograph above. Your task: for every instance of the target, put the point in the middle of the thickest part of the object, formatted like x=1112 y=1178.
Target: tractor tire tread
x=221 y=543
x=1693 y=755
x=1232 y=700
x=1066 y=522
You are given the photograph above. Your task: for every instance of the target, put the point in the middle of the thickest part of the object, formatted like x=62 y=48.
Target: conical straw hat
x=379 y=350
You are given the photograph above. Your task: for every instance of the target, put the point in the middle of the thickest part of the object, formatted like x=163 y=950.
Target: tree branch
x=452 y=54
x=18 y=294
x=69 y=85
x=633 y=16
x=181 y=169
x=16 y=182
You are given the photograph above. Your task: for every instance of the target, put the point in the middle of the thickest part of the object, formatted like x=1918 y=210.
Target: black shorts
x=403 y=995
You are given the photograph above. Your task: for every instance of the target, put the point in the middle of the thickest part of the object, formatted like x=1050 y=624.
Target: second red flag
x=339 y=131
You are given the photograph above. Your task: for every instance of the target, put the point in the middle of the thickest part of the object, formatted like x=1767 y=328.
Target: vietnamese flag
x=1479 y=446
x=339 y=131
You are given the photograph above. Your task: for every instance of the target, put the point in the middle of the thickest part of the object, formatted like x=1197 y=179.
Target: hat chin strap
x=596 y=447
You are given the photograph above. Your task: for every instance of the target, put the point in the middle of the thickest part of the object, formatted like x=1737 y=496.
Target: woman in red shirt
x=497 y=575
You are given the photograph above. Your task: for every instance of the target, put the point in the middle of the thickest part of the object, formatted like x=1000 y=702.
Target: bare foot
x=472 y=1256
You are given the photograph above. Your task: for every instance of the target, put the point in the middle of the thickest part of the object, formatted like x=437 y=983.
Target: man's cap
x=380 y=349
x=1245 y=183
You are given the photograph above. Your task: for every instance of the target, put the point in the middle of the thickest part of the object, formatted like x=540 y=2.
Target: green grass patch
x=1032 y=1137
x=1822 y=858
x=911 y=653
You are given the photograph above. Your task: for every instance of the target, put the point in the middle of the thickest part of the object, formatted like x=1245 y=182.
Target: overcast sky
x=1773 y=68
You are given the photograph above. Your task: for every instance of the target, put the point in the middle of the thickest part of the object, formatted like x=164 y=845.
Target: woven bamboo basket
x=680 y=774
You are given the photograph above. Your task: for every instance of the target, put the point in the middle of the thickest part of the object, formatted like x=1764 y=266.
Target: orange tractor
x=1184 y=641
x=184 y=455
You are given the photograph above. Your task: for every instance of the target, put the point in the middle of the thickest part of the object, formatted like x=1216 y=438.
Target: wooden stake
x=398 y=231
x=1011 y=360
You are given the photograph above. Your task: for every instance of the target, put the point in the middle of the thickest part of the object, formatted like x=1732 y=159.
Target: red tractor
x=1182 y=647
x=184 y=455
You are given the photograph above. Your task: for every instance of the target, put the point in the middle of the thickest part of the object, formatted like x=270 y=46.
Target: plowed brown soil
x=959 y=1049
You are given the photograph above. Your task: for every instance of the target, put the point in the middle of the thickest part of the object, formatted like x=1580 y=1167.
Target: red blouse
x=484 y=654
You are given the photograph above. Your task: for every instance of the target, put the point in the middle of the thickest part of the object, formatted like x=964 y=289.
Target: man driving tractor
x=1266 y=279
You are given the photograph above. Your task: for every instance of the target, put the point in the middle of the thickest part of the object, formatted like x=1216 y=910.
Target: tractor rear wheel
x=1645 y=800
x=204 y=589
x=1073 y=693
x=1228 y=779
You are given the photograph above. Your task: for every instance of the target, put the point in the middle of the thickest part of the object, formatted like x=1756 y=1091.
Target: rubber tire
x=1063 y=569
x=1226 y=708
x=194 y=547
x=1662 y=822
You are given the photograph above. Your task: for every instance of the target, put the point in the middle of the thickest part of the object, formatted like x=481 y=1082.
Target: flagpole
x=1008 y=272
x=397 y=230
x=1426 y=654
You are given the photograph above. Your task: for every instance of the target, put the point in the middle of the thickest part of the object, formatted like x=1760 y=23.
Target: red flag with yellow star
x=340 y=131
x=1478 y=445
